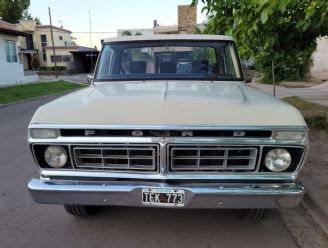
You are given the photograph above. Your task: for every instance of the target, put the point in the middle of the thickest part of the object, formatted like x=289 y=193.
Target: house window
x=43 y=40
x=60 y=37
x=11 y=51
x=61 y=58
x=67 y=58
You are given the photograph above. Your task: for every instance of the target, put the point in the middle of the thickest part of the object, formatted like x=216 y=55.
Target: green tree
x=28 y=16
x=138 y=33
x=283 y=32
x=126 y=33
x=13 y=10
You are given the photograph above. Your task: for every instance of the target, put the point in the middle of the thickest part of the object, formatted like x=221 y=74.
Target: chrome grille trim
x=211 y=158
x=118 y=157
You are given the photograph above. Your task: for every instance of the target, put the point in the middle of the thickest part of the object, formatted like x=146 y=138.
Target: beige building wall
x=319 y=68
x=24 y=61
x=56 y=33
x=59 y=52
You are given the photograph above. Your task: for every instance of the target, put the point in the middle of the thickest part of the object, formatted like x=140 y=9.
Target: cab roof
x=195 y=37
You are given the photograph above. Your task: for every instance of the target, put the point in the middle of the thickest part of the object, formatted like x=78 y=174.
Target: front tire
x=252 y=215
x=80 y=210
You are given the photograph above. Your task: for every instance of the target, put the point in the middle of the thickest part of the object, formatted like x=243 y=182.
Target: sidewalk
x=316 y=94
x=315 y=177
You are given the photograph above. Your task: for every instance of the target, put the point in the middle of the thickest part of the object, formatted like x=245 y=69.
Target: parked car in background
x=168 y=121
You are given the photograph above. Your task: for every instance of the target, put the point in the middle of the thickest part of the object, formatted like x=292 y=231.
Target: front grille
x=117 y=157
x=202 y=158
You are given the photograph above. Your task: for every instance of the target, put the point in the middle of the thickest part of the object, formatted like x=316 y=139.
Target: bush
x=35 y=63
x=59 y=68
x=291 y=66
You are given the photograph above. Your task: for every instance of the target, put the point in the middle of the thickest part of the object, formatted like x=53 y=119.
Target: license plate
x=163 y=197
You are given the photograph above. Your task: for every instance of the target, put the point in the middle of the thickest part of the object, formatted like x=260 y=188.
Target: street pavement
x=27 y=224
x=316 y=94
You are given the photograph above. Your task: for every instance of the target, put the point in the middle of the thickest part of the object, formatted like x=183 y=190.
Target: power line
x=94 y=32
x=90 y=29
x=88 y=32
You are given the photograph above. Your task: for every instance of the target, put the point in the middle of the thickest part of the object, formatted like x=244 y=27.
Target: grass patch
x=317 y=122
x=29 y=91
x=314 y=114
x=303 y=105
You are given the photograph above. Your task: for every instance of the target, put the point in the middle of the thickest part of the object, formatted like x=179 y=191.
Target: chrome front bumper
x=209 y=195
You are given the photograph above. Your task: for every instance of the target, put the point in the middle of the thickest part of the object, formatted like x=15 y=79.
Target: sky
x=107 y=16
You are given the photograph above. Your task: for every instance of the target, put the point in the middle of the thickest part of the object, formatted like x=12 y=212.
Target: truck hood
x=168 y=103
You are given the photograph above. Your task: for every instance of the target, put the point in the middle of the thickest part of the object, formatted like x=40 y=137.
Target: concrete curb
x=318 y=214
x=35 y=99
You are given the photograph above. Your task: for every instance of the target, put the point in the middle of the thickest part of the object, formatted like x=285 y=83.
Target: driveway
x=27 y=224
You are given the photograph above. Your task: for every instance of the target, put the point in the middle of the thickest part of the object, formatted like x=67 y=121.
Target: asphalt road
x=317 y=94
x=26 y=224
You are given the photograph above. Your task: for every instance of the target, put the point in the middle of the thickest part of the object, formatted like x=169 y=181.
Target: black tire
x=80 y=210
x=252 y=215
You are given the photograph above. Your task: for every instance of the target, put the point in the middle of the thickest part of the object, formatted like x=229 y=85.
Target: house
x=76 y=59
x=135 y=31
x=39 y=44
x=187 y=23
x=11 y=69
x=39 y=38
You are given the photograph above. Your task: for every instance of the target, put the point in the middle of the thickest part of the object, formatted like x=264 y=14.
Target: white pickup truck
x=168 y=121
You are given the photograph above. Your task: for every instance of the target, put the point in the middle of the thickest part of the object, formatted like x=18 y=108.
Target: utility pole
x=91 y=58
x=90 y=28
x=273 y=80
x=53 y=45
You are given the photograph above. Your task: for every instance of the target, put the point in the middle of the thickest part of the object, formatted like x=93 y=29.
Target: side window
x=228 y=61
x=228 y=64
x=106 y=59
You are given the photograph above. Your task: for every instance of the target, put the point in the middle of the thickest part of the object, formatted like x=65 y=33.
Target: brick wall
x=187 y=18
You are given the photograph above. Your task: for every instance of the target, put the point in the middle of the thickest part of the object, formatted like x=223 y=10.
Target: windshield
x=168 y=60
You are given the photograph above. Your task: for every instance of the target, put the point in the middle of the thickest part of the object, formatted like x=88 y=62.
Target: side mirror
x=90 y=79
x=248 y=79
x=246 y=66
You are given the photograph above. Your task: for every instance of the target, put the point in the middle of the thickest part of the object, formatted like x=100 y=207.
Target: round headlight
x=278 y=160
x=55 y=156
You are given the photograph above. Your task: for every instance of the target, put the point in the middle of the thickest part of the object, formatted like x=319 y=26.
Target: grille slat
x=117 y=157
x=195 y=158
